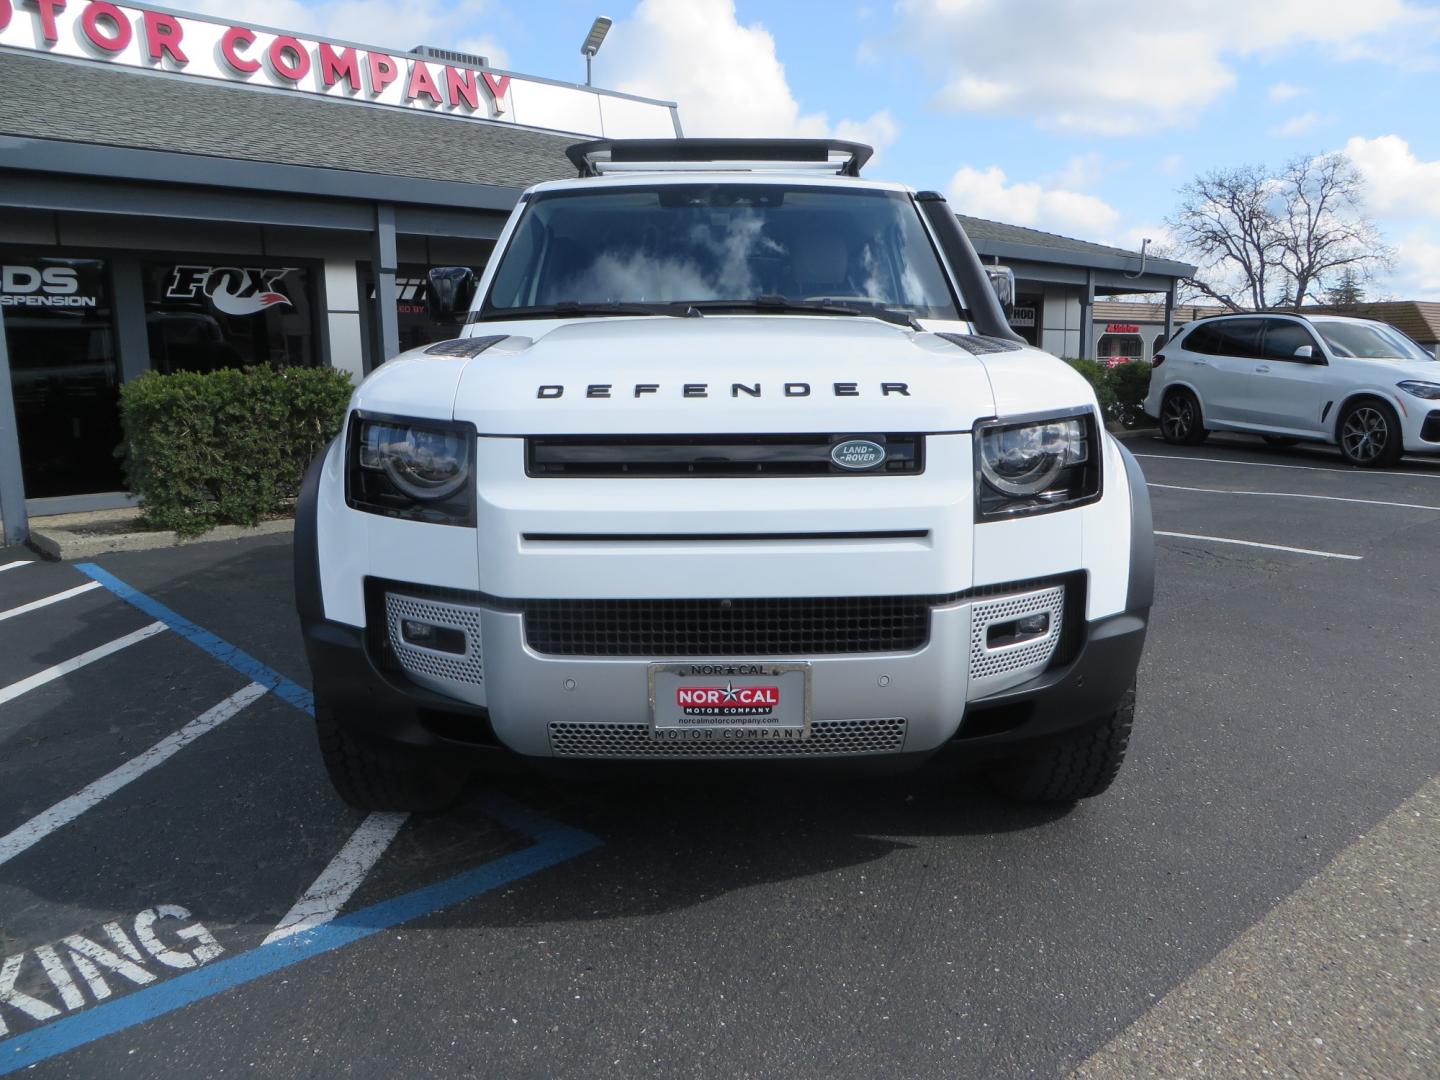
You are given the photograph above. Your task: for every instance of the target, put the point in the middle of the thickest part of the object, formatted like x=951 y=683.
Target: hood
x=721 y=374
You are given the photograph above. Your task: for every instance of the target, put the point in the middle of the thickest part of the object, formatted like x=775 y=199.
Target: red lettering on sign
x=1122 y=328
x=460 y=83
x=422 y=83
x=737 y=697
x=498 y=84
x=383 y=71
x=288 y=58
x=47 y=10
x=162 y=37
x=236 y=38
x=116 y=38
x=335 y=66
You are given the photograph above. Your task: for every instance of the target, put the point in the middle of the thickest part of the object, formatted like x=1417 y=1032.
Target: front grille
x=713 y=455
x=828 y=738
x=743 y=627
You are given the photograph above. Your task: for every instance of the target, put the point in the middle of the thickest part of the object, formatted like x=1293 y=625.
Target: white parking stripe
x=1292 y=495
x=65 y=667
x=67 y=810
x=338 y=881
x=1275 y=465
x=1257 y=544
x=17 y=562
x=48 y=600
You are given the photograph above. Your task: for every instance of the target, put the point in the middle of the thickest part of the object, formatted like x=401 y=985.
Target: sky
x=1065 y=115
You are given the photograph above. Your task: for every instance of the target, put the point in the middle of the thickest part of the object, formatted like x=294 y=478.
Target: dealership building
x=184 y=193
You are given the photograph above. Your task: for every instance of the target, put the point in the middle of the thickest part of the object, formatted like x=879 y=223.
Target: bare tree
x=1324 y=232
x=1225 y=222
x=1264 y=239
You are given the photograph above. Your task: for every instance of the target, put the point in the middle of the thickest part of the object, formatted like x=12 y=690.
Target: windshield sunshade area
x=1366 y=341
x=765 y=246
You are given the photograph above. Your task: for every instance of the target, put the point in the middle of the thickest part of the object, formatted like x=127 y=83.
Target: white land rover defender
x=738 y=458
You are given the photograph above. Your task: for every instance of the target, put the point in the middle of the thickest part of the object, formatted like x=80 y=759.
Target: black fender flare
x=309 y=596
x=1140 y=594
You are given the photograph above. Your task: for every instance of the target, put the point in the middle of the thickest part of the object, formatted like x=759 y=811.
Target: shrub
x=228 y=446
x=1121 y=390
x=1130 y=383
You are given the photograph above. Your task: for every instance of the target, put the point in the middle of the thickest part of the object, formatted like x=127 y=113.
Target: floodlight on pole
x=593 y=40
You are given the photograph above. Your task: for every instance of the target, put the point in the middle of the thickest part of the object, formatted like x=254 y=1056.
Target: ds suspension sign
x=158 y=40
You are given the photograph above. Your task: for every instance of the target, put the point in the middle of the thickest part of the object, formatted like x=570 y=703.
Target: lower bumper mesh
x=828 y=738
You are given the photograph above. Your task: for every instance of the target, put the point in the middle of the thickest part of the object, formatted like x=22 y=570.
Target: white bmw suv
x=1356 y=383
x=737 y=458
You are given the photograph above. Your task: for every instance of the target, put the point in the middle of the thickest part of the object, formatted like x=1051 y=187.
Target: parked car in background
x=1355 y=383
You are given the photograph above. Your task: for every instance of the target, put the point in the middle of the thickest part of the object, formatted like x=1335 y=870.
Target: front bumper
x=539 y=698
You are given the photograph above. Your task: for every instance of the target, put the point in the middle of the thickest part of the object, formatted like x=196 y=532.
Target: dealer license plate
x=729 y=702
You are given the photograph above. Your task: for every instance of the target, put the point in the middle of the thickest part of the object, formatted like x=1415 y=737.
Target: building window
x=203 y=314
x=412 y=305
x=64 y=372
x=1120 y=347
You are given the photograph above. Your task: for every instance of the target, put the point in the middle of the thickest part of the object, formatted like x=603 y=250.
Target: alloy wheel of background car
x=1180 y=419
x=1369 y=435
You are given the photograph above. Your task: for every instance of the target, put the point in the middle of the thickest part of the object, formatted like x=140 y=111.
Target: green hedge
x=1120 y=390
x=226 y=447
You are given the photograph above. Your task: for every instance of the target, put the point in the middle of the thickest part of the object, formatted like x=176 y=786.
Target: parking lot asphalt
x=748 y=924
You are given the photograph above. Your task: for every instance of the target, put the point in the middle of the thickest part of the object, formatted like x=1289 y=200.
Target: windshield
x=713 y=244
x=1369 y=341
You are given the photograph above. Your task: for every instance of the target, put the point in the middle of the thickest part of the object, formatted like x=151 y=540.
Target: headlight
x=1428 y=390
x=417 y=469
x=1026 y=467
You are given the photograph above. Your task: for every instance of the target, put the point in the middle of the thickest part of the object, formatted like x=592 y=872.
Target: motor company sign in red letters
x=138 y=37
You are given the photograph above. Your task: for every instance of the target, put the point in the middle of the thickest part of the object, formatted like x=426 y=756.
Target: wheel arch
x=1353 y=397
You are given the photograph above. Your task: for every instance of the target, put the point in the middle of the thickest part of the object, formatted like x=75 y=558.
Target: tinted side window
x=1240 y=337
x=1283 y=338
x=1203 y=339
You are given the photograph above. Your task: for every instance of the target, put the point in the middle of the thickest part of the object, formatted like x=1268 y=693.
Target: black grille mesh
x=743 y=627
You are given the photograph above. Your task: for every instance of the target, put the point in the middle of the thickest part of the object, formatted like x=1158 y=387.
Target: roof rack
x=730 y=155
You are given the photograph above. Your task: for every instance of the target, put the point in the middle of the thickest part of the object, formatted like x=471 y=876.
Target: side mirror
x=1305 y=352
x=1002 y=280
x=450 y=290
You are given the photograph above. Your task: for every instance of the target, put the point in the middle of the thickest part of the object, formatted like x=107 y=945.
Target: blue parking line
x=554 y=843
x=222 y=650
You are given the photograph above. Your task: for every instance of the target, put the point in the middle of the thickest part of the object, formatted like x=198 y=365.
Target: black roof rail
x=1248 y=314
x=589 y=158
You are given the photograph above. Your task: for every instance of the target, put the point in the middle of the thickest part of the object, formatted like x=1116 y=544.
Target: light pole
x=598 y=29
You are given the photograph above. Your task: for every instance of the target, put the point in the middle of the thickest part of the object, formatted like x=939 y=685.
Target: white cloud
x=1398 y=184
x=1296 y=125
x=1283 y=91
x=1071 y=70
x=989 y=194
x=725 y=75
x=1170 y=164
x=1403 y=192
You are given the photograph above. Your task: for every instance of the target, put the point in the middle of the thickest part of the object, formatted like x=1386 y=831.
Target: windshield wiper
x=773 y=302
x=576 y=308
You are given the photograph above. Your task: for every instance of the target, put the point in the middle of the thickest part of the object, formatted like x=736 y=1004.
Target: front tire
x=1181 y=419
x=1368 y=432
x=1080 y=765
x=371 y=777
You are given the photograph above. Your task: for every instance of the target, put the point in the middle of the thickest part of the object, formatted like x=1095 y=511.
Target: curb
x=1136 y=433
x=63 y=544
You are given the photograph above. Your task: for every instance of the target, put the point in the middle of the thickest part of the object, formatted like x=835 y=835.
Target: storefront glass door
x=64 y=373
